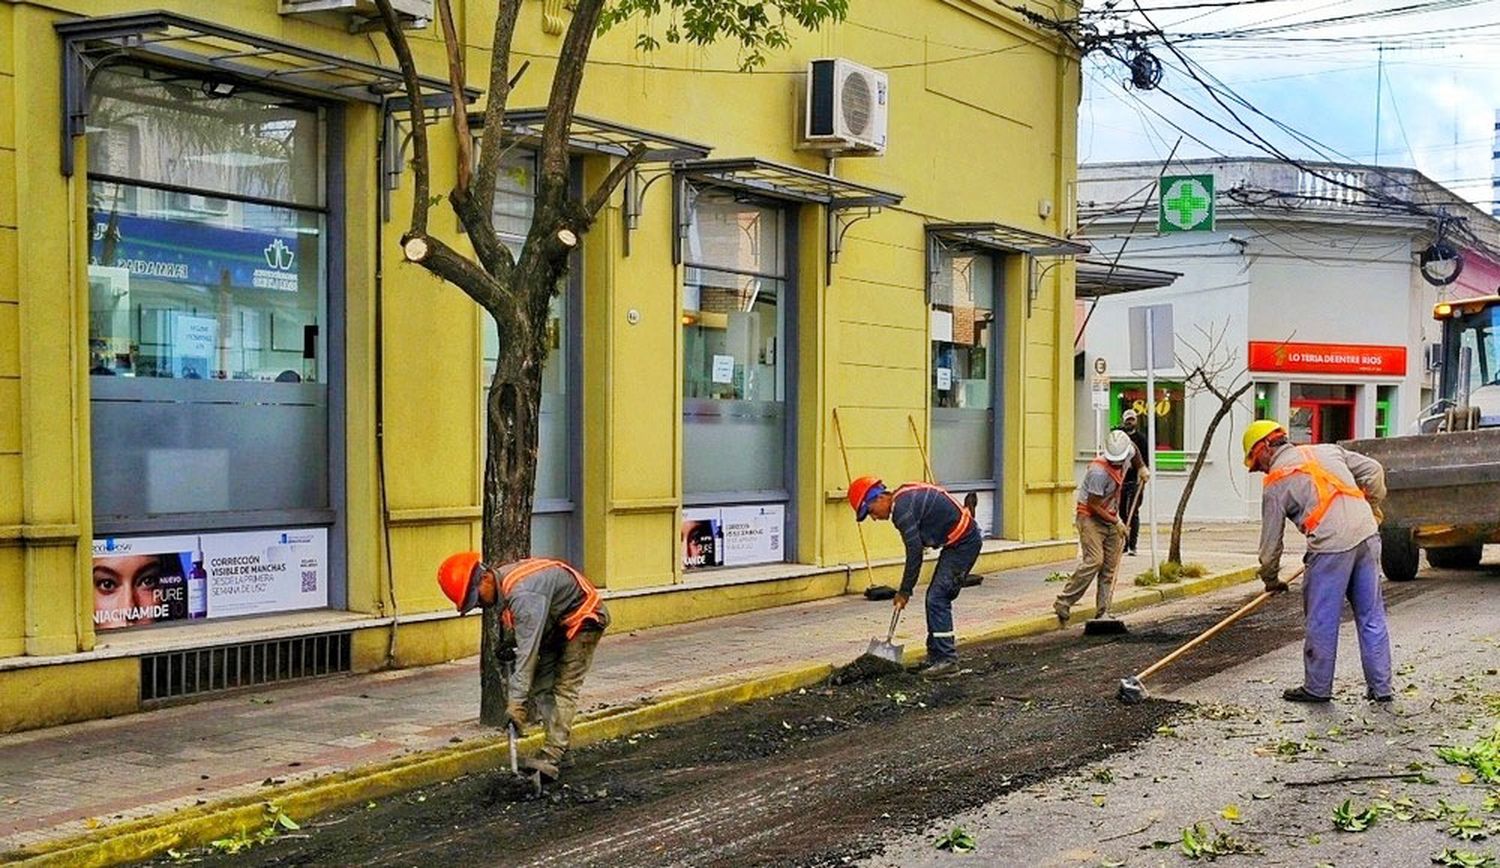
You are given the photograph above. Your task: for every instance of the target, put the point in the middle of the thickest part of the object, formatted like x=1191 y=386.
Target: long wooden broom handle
x=1215 y=630
x=926 y=465
x=838 y=431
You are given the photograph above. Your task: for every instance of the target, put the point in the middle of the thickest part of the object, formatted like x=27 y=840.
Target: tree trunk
x=1174 y=551
x=512 y=413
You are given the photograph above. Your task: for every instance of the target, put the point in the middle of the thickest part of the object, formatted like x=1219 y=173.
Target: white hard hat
x=1129 y=416
x=1117 y=447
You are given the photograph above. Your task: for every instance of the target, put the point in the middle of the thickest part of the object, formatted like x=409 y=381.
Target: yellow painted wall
x=983 y=125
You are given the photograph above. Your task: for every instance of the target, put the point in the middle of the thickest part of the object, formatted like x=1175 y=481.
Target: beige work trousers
x=1101 y=544
x=554 y=689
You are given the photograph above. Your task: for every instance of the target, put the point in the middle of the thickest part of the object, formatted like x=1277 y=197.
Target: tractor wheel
x=1398 y=554
x=1456 y=557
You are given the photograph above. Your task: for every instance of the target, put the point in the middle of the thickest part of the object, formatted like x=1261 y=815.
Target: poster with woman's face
x=135 y=590
x=700 y=544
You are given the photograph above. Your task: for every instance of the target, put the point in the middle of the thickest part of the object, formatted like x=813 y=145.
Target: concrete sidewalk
x=74 y=779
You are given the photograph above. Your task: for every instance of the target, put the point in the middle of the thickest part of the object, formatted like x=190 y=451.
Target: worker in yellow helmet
x=1333 y=496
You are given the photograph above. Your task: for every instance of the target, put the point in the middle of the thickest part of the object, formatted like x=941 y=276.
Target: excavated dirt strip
x=813 y=778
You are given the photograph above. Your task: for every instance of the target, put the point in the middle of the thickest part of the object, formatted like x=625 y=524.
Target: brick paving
x=63 y=781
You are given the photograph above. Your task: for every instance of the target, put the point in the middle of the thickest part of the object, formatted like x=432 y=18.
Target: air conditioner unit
x=420 y=11
x=846 y=107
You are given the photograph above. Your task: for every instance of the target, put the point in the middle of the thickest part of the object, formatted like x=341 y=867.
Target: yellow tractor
x=1444 y=482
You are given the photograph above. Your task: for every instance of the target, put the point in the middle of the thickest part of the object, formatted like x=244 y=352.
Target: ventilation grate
x=178 y=674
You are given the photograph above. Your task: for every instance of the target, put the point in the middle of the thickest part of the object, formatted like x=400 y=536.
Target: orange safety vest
x=1118 y=475
x=1328 y=486
x=960 y=527
x=573 y=622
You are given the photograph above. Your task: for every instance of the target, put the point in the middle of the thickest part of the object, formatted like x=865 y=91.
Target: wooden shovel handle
x=1260 y=600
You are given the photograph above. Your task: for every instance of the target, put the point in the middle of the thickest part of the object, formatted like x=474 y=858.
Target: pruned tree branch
x=606 y=188
x=456 y=78
x=566 y=83
x=421 y=184
x=482 y=190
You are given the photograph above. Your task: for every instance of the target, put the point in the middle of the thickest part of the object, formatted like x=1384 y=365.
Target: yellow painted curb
x=136 y=840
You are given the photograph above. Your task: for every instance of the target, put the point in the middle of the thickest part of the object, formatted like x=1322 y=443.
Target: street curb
x=140 y=839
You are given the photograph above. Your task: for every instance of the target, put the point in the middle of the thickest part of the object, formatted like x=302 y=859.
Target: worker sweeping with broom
x=927 y=517
x=1333 y=496
x=1102 y=530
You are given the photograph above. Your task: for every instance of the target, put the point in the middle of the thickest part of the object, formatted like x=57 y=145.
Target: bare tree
x=1214 y=369
x=516 y=290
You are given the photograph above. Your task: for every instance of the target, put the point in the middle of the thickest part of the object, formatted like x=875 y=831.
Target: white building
x=1310 y=280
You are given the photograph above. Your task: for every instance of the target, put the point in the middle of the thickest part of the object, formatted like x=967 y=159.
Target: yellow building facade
x=238 y=432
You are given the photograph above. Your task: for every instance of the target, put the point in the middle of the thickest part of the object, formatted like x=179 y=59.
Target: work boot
x=1370 y=695
x=940 y=670
x=1300 y=694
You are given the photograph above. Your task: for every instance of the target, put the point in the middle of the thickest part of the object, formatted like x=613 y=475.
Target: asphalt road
x=1241 y=746
x=1014 y=751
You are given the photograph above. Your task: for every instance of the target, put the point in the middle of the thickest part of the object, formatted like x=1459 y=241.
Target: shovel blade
x=885 y=650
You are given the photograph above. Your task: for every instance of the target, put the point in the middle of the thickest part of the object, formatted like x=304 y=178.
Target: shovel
x=885 y=651
x=533 y=777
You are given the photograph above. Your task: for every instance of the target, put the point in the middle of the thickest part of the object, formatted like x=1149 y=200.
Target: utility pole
x=1379 y=81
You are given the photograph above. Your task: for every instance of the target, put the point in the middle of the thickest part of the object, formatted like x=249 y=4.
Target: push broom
x=1131 y=688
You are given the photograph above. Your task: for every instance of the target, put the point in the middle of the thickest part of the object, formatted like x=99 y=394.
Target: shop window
x=963 y=326
x=1386 y=424
x=735 y=410
x=553 y=500
x=1170 y=408
x=1321 y=413
x=208 y=350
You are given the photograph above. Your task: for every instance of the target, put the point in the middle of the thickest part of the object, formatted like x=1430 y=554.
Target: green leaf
x=958 y=840
x=287 y=823
x=1348 y=818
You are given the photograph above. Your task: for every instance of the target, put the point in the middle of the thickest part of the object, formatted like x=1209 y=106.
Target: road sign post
x=1151 y=344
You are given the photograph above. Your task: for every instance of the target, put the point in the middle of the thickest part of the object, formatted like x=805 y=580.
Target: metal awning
x=207 y=48
x=1006 y=239
x=597 y=136
x=1097 y=278
x=781 y=181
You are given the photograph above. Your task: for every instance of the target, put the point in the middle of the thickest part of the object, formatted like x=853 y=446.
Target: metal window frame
x=847 y=202
x=995 y=485
x=178 y=41
x=333 y=517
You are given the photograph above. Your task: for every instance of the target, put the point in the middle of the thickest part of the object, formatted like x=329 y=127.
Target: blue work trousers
x=953 y=564
x=1331 y=578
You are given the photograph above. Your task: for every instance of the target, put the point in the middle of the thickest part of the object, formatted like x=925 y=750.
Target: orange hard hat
x=862 y=491
x=459 y=579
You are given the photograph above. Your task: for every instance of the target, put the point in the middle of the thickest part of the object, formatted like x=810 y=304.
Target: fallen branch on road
x=1128 y=834
x=1346 y=779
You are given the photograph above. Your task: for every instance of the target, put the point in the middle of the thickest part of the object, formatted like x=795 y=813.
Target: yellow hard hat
x=1257 y=431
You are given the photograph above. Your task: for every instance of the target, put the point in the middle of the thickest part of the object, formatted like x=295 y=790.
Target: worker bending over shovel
x=552 y=619
x=1333 y=496
x=1101 y=529
x=927 y=517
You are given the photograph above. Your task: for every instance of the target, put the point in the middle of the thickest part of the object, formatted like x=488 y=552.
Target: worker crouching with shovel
x=927 y=517
x=1101 y=529
x=1333 y=496
x=552 y=619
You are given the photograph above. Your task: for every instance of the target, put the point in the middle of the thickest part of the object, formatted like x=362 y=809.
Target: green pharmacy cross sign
x=1186 y=204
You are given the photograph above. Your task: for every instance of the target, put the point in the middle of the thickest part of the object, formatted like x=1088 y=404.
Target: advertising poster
x=141 y=581
x=702 y=539
x=752 y=534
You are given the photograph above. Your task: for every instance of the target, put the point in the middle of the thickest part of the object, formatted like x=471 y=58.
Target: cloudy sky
x=1438 y=95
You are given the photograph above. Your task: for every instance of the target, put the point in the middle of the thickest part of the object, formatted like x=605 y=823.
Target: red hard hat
x=861 y=491
x=458 y=577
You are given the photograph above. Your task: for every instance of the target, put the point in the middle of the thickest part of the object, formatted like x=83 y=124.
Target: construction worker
x=1101 y=529
x=552 y=619
x=1333 y=496
x=927 y=517
x=1129 y=497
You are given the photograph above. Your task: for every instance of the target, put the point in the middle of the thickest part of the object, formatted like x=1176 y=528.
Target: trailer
x=1443 y=483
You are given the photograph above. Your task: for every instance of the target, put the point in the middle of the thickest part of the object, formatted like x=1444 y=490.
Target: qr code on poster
x=309 y=581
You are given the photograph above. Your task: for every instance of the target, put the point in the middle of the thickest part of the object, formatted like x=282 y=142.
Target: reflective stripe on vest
x=573 y=622
x=960 y=527
x=1117 y=474
x=1328 y=486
